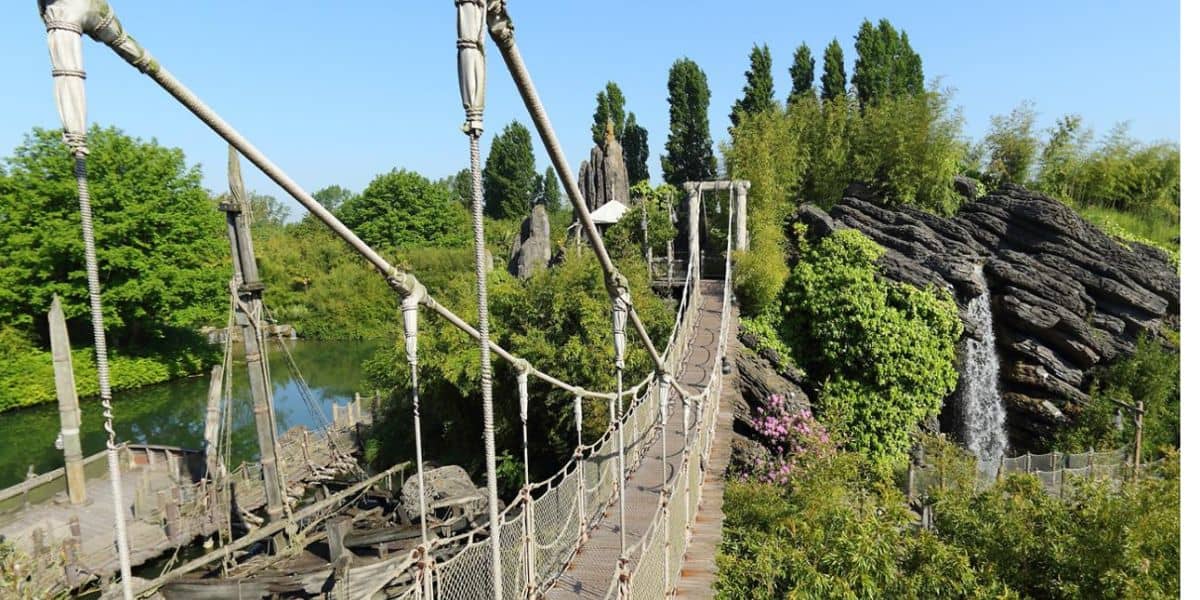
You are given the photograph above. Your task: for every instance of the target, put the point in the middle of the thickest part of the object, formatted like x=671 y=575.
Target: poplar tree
x=886 y=65
x=833 y=79
x=610 y=106
x=689 y=154
x=802 y=72
x=552 y=193
x=759 y=93
x=636 y=148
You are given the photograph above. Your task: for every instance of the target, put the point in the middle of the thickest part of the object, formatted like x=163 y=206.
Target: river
x=172 y=413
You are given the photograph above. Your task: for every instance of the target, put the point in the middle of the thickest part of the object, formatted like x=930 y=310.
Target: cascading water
x=983 y=413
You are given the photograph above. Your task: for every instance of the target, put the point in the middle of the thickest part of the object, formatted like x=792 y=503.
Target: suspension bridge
x=614 y=522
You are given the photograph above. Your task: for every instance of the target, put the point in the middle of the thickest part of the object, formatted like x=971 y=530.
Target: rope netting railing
x=1058 y=472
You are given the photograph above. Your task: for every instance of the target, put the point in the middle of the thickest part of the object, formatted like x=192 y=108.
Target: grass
x=1152 y=227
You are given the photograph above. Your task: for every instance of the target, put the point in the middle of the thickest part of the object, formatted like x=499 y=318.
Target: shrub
x=884 y=350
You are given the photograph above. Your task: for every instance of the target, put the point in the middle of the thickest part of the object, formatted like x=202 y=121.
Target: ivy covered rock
x=1066 y=297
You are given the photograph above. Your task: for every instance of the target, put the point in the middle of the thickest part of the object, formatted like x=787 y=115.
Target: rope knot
x=77 y=142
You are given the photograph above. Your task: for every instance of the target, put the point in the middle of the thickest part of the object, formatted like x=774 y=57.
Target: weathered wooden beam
x=265 y=532
x=212 y=421
x=68 y=404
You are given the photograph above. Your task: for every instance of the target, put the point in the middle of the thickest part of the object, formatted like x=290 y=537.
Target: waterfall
x=983 y=413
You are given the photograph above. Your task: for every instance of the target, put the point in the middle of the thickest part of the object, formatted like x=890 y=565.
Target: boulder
x=1066 y=298
x=760 y=373
x=531 y=250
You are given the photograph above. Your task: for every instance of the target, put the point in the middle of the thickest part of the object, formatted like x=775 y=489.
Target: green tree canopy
x=636 y=148
x=1012 y=146
x=887 y=65
x=610 y=106
x=509 y=175
x=551 y=191
x=758 y=94
x=833 y=77
x=802 y=71
x=160 y=240
x=689 y=154
x=332 y=197
x=402 y=209
x=267 y=211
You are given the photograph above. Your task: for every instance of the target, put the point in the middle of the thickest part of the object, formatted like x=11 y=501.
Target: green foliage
x=160 y=241
x=266 y=211
x=689 y=154
x=886 y=66
x=560 y=320
x=332 y=197
x=833 y=76
x=907 y=148
x=27 y=372
x=803 y=70
x=836 y=530
x=884 y=350
x=1151 y=375
x=765 y=326
x=758 y=94
x=1011 y=146
x=552 y=191
x=636 y=149
x=1123 y=185
x=510 y=174
x=647 y=223
x=1099 y=544
x=610 y=107
x=402 y=209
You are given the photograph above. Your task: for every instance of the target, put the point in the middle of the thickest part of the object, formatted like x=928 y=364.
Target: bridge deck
x=589 y=574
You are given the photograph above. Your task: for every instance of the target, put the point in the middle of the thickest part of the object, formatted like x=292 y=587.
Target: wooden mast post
x=249 y=316
x=68 y=404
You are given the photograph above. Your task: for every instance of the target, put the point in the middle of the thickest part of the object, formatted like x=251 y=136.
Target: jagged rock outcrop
x=603 y=178
x=1066 y=298
x=531 y=249
x=760 y=373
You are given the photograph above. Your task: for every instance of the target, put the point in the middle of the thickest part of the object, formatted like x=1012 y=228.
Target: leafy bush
x=884 y=350
x=628 y=239
x=835 y=530
x=1101 y=544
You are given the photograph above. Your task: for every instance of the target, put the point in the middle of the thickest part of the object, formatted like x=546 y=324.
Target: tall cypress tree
x=552 y=193
x=509 y=176
x=689 y=154
x=802 y=71
x=610 y=106
x=833 y=79
x=759 y=93
x=635 y=146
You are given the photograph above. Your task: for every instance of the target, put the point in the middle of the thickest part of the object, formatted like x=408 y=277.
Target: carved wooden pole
x=693 y=195
x=212 y=422
x=68 y=404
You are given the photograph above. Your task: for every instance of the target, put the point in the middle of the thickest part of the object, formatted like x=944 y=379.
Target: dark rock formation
x=531 y=250
x=603 y=178
x=1066 y=298
x=760 y=373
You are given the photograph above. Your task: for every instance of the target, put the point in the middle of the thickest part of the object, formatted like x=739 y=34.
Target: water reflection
x=173 y=413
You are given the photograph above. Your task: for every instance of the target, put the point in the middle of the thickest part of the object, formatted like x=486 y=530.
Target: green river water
x=172 y=413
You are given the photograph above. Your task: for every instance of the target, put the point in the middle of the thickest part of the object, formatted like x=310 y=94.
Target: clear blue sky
x=338 y=92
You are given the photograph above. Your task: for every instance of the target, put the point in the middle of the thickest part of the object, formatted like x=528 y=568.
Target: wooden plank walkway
x=699 y=571
x=590 y=572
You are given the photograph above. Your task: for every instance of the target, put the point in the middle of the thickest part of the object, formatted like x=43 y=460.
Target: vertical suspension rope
x=410 y=309
x=581 y=485
x=472 y=73
x=526 y=493
x=64 y=36
x=620 y=314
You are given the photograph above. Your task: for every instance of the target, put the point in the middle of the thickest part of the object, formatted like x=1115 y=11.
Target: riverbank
x=27 y=373
x=172 y=412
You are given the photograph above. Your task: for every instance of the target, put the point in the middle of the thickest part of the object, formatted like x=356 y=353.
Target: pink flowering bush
x=792 y=439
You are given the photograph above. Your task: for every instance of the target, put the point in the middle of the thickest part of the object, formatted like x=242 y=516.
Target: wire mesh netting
x=467 y=575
